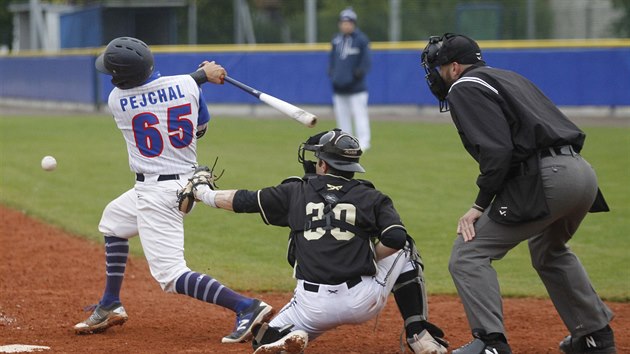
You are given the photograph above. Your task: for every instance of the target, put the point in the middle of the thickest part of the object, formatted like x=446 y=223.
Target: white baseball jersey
x=159 y=121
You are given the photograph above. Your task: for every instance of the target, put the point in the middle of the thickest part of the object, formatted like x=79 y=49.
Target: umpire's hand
x=466 y=224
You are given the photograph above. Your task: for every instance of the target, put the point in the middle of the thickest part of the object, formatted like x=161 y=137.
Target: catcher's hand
x=186 y=196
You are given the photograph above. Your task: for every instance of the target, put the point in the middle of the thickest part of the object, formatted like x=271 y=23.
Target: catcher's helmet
x=128 y=60
x=339 y=149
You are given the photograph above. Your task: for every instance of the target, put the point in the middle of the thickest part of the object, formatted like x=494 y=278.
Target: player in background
x=161 y=118
x=348 y=246
x=534 y=186
x=348 y=64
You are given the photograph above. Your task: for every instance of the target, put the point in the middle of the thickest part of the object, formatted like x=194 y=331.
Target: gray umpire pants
x=570 y=187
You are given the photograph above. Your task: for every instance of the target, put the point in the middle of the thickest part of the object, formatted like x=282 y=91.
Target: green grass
x=422 y=166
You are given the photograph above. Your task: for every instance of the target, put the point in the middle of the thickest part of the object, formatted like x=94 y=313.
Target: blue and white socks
x=205 y=288
x=116 y=254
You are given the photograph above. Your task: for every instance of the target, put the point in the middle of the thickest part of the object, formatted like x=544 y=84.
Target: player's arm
x=391 y=241
x=204 y=117
x=239 y=201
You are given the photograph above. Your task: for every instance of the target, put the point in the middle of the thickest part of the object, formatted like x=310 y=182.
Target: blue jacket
x=349 y=62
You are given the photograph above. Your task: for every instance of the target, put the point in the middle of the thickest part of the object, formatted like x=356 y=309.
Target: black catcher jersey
x=332 y=245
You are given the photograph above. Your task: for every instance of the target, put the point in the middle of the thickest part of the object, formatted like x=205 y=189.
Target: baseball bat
x=292 y=111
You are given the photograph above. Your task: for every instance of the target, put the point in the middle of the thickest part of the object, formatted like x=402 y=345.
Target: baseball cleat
x=477 y=346
x=256 y=313
x=598 y=342
x=102 y=318
x=293 y=342
x=424 y=343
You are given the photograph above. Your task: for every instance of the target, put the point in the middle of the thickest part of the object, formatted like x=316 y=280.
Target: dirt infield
x=47 y=276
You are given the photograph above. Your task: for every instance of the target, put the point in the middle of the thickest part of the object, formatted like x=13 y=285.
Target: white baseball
x=49 y=163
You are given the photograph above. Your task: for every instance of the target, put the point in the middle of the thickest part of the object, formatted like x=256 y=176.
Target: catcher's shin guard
x=409 y=289
x=411 y=298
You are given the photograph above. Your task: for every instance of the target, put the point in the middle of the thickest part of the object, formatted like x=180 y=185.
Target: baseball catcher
x=343 y=276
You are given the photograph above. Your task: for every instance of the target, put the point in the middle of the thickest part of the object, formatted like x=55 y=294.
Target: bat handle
x=242 y=86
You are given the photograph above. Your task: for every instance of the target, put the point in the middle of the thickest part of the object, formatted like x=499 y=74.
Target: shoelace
x=90 y=308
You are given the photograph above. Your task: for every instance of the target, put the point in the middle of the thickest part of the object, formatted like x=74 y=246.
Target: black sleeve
x=245 y=202
x=199 y=76
x=485 y=133
x=394 y=238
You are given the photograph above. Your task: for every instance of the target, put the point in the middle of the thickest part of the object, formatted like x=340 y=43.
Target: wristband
x=199 y=76
x=207 y=195
x=477 y=207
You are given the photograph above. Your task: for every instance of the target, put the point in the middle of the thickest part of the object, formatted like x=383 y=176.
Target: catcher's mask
x=443 y=50
x=128 y=60
x=339 y=149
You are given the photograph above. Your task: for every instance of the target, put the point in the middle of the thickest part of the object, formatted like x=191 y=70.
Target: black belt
x=140 y=177
x=557 y=150
x=315 y=287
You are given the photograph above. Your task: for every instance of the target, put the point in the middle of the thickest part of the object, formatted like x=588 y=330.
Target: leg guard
x=411 y=297
x=409 y=290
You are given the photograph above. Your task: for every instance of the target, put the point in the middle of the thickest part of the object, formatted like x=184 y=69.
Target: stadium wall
x=570 y=74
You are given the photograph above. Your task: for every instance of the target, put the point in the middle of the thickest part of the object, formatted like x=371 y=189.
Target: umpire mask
x=436 y=84
x=443 y=50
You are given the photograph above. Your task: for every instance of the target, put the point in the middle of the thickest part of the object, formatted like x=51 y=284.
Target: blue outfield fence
x=569 y=76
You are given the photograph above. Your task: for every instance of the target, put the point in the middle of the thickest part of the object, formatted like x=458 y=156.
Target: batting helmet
x=128 y=60
x=339 y=149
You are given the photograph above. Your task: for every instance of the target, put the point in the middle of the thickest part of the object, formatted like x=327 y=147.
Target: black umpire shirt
x=502 y=118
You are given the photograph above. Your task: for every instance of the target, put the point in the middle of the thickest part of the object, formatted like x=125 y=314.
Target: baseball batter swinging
x=161 y=118
x=343 y=277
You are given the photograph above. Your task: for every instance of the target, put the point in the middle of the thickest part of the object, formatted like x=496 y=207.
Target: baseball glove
x=203 y=175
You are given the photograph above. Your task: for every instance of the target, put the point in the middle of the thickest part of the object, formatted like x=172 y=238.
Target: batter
x=161 y=118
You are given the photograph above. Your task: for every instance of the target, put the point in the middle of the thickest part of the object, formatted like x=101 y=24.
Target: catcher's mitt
x=203 y=175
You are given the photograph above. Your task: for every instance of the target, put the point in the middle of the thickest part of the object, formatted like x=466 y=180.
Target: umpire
x=533 y=185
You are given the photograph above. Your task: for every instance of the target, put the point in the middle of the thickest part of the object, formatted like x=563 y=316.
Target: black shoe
x=477 y=346
x=598 y=342
x=493 y=343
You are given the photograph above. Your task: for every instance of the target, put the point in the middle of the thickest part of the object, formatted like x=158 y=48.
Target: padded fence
x=569 y=76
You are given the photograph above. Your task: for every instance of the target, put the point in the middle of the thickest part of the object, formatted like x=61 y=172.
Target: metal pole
x=32 y=11
x=238 y=27
x=192 y=22
x=310 y=12
x=531 y=19
x=394 y=20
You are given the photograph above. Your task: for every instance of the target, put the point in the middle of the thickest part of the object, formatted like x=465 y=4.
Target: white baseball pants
x=353 y=108
x=150 y=211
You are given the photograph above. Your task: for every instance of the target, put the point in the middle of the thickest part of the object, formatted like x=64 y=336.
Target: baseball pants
x=353 y=108
x=334 y=305
x=150 y=211
x=570 y=187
